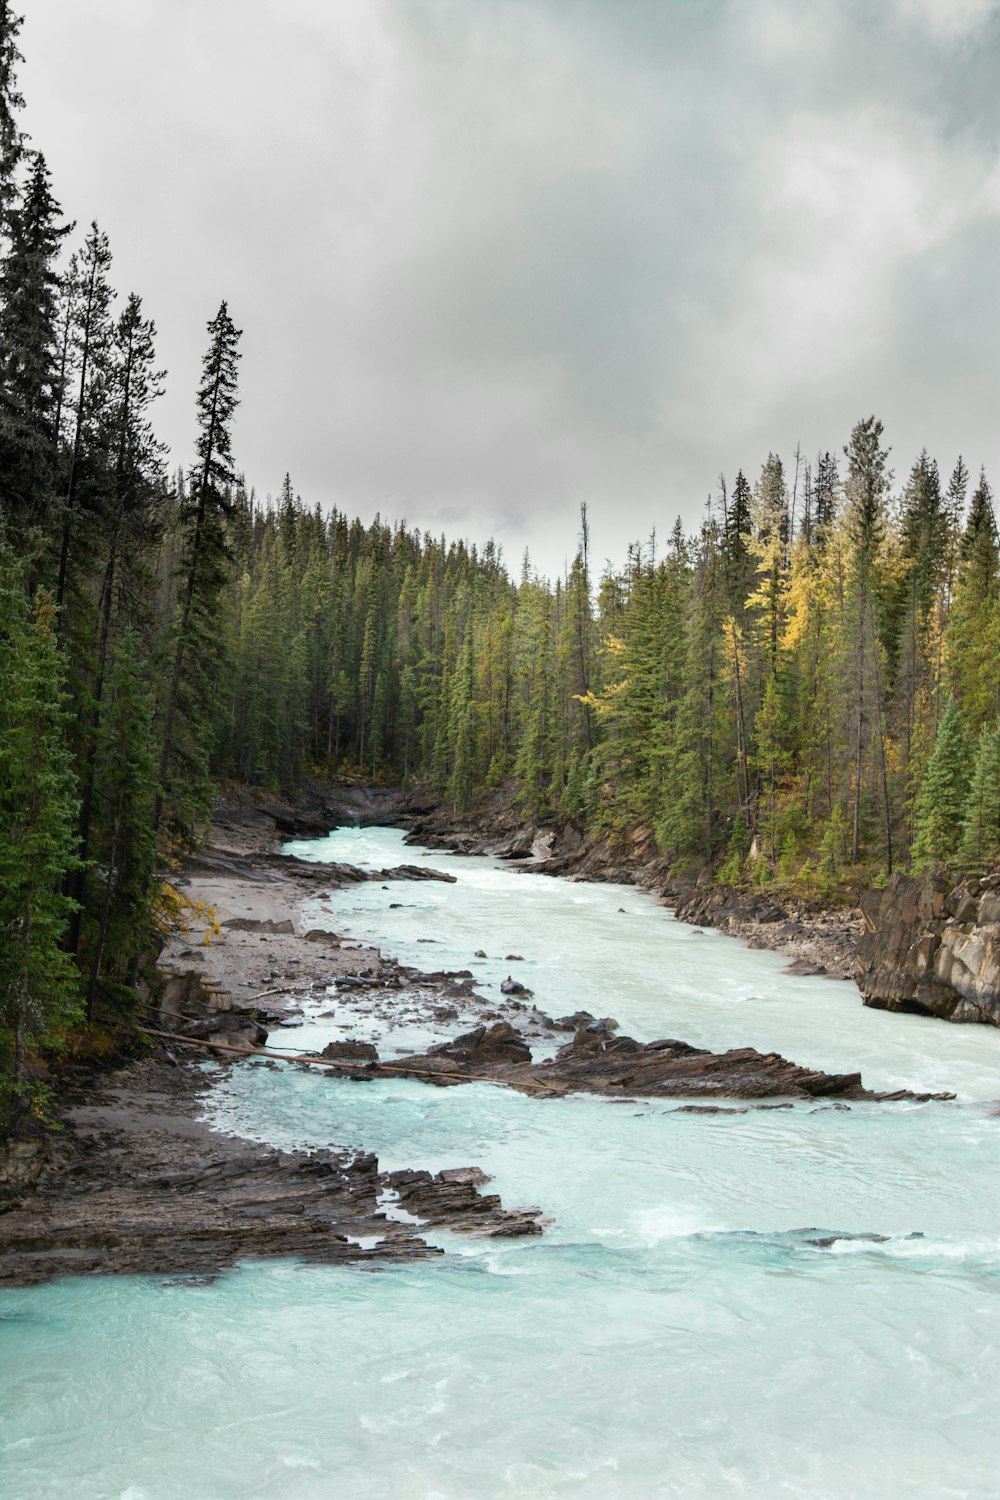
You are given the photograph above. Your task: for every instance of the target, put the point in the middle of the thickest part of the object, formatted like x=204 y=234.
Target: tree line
x=802 y=691
x=111 y=581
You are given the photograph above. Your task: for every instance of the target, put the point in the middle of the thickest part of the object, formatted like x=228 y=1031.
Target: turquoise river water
x=673 y=1333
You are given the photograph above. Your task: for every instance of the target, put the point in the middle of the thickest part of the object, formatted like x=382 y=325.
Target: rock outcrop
x=932 y=947
x=183 y=1002
x=597 y=1062
x=136 y=1184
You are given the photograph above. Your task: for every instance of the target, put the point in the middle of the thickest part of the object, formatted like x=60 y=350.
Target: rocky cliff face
x=932 y=947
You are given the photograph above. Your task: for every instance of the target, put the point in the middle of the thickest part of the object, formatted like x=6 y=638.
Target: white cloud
x=947 y=20
x=492 y=260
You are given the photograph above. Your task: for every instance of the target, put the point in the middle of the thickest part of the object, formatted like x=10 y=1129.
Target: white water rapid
x=675 y=1332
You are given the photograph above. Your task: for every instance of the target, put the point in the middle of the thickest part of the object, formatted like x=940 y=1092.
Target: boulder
x=574 y=1022
x=486 y=1045
x=350 y=1051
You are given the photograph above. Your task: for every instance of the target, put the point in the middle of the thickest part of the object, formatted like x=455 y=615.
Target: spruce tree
x=981 y=825
x=121 y=874
x=867 y=485
x=29 y=370
x=771 y=761
x=938 y=818
x=37 y=838
x=825 y=493
x=11 y=101
x=91 y=340
x=972 y=633
x=202 y=571
x=131 y=525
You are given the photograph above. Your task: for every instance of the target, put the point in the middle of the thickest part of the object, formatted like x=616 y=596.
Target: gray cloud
x=493 y=260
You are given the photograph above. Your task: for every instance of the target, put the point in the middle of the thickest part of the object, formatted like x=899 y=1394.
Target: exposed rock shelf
x=598 y=1062
x=932 y=947
x=136 y=1184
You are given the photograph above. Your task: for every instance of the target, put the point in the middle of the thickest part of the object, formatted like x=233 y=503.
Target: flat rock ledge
x=135 y=1184
x=598 y=1062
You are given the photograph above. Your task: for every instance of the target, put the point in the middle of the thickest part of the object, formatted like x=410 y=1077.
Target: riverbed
x=791 y=1302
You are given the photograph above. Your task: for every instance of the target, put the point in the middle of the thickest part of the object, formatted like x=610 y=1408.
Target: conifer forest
x=799 y=692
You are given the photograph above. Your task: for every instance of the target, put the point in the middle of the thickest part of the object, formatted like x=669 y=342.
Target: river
x=676 y=1331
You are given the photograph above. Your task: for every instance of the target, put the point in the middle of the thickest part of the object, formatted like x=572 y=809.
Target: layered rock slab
x=598 y=1062
x=136 y=1184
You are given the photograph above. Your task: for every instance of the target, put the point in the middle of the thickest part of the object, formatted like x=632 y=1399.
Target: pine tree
x=11 y=101
x=29 y=372
x=981 y=825
x=867 y=485
x=124 y=847
x=92 y=341
x=971 y=639
x=37 y=836
x=202 y=572
x=938 y=818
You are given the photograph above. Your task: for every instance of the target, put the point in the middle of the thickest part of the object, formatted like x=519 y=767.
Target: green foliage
x=194 y=635
x=980 y=842
x=38 y=982
x=731 y=871
x=938 y=819
x=124 y=859
x=788 y=861
x=832 y=850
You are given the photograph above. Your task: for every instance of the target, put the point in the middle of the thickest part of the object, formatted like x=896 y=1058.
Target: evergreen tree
x=132 y=524
x=202 y=571
x=122 y=872
x=91 y=337
x=29 y=373
x=972 y=633
x=37 y=812
x=825 y=493
x=981 y=826
x=940 y=807
x=867 y=485
x=11 y=101
x=771 y=761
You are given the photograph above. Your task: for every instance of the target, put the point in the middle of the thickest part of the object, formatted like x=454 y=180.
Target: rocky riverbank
x=137 y=1182
x=816 y=940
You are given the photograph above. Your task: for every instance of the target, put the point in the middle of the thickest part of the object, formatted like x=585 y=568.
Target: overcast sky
x=493 y=258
